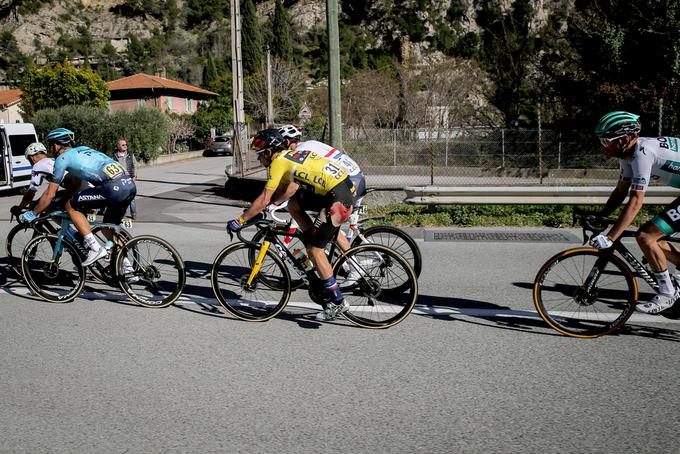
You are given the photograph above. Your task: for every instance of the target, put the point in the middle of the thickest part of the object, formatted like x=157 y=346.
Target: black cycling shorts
x=340 y=198
x=114 y=195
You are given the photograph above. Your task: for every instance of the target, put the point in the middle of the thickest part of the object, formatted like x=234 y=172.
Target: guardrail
x=566 y=195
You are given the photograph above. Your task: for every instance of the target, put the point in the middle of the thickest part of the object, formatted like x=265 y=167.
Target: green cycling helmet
x=617 y=124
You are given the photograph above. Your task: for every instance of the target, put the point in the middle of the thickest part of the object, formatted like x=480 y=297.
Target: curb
x=175 y=157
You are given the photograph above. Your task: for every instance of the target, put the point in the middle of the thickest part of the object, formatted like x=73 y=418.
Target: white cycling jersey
x=42 y=170
x=348 y=164
x=654 y=159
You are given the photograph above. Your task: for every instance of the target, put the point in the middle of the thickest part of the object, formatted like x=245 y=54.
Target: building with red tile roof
x=9 y=106
x=168 y=95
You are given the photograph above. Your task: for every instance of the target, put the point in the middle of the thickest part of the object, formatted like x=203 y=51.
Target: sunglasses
x=605 y=142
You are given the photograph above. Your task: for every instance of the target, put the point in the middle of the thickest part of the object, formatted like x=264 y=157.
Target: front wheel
x=380 y=287
x=393 y=238
x=585 y=292
x=56 y=277
x=150 y=271
x=253 y=298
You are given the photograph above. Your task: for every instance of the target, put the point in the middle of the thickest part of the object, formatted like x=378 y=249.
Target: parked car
x=220 y=145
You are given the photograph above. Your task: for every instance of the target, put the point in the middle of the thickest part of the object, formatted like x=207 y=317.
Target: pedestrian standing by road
x=127 y=159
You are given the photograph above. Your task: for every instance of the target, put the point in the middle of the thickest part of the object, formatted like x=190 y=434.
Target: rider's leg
x=79 y=219
x=648 y=237
x=298 y=213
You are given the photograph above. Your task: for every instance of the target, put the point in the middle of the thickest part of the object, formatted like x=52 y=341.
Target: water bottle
x=300 y=255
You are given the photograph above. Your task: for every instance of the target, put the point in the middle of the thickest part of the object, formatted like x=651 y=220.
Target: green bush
x=145 y=129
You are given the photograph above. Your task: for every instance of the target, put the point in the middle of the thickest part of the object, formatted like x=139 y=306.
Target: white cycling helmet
x=34 y=149
x=290 y=131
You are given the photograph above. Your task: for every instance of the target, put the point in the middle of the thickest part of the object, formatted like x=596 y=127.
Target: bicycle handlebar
x=590 y=222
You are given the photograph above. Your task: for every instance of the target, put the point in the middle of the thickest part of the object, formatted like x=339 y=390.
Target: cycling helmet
x=62 y=136
x=267 y=140
x=34 y=149
x=291 y=132
x=617 y=124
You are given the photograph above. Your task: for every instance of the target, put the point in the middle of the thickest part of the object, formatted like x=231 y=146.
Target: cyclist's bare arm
x=27 y=198
x=46 y=198
x=284 y=193
x=629 y=212
x=616 y=198
x=258 y=205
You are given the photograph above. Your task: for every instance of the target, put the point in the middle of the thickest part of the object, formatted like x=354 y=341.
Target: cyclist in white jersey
x=642 y=160
x=43 y=170
x=302 y=202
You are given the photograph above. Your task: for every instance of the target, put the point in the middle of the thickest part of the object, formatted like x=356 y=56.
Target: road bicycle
x=587 y=292
x=386 y=235
x=23 y=232
x=252 y=281
x=146 y=268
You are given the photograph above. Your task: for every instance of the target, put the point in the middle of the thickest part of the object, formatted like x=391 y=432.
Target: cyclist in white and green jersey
x=642 y=160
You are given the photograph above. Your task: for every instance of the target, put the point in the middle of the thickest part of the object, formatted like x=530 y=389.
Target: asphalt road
x=473 y=369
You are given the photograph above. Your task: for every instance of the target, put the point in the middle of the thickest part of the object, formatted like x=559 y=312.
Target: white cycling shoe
x=93 y=256
x=332 y=311
x=659 y=303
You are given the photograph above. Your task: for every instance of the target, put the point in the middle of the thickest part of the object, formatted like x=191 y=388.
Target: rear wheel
x=57 y=280
x=381 y=287
x=585 y=292
x=258 y=300
x=150 y=271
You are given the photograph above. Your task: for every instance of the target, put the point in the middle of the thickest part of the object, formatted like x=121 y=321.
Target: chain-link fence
x=473 y=157
x=452 y=157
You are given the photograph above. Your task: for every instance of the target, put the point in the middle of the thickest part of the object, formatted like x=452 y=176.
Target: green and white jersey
x=654 y=159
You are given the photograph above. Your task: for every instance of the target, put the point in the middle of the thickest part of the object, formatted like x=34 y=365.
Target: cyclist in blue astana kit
x=643 y=159
x=112 y=187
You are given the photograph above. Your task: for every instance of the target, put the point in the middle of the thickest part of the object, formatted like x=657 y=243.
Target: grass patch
x=405 y=215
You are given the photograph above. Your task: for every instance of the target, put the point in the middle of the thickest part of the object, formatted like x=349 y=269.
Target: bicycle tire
x=564 y=303
x=156 y=276
x=18 y=237
x=251 y=302
x=41 y=275
x=373 y=300
x=295 y=281
x=101 y=270
x=394 y=238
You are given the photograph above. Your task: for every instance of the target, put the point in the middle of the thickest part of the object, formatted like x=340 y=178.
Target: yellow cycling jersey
x=311 y=171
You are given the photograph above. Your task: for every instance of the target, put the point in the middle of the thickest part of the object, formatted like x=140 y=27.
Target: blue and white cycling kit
x=113 y=187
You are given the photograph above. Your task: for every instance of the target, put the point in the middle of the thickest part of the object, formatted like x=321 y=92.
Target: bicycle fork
x=258 y=262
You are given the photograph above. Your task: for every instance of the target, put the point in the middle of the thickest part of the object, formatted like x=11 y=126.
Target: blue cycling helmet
x=62 y=136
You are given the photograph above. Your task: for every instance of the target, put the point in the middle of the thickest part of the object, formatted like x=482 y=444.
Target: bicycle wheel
x=261 y=299
x=101 y=270
x=371 y=288
x=393 y=238
x=585 y=292
x=295 y=281
x=17 y=238
x=57 y=281
x=150 y=271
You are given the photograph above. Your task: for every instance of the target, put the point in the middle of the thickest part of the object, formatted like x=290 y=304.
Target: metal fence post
x=559 y=151
x=394 y=147
x=503 y=148
x=446 y=149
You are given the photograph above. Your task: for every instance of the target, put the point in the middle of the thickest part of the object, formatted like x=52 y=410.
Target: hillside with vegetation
x=404 y=63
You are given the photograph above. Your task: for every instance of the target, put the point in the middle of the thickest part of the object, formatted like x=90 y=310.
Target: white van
x=15 y=169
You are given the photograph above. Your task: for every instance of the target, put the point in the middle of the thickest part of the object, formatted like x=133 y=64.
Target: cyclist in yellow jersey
x=300 y=173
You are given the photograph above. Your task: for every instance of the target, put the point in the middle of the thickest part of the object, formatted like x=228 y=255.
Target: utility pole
x=240 y=138
x=270 y=103
x=334 y=103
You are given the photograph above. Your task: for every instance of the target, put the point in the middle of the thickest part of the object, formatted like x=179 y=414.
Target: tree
x=288 y=86
x=209 y=71
x=251 y=44
x=508 y=54
x=61 y=85
x=382 y=89
x=281 y=44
